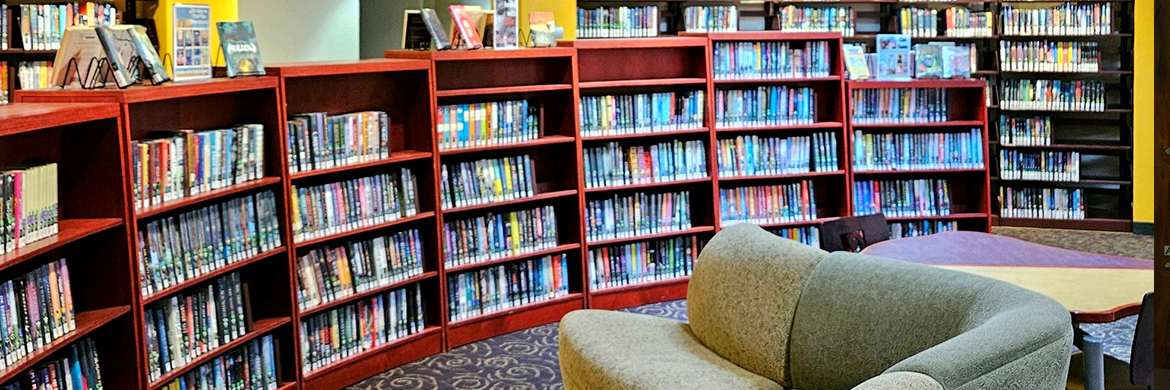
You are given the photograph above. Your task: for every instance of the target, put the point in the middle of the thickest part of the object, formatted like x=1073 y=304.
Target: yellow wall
x=564 y=14
x=1143 y=115
x=221 y=11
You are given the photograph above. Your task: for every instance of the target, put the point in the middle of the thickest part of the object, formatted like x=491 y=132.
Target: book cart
x=970 y=203
x=93 y=233
x=266 y=277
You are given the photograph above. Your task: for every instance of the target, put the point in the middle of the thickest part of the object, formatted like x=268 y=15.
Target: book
x=641 y=262
x=252 y=366
x=29 y=209
x=608 y=115
x=900 y=105
x=80 y=44
x=320 y=141
x=623 y=216
x=172 y=165
x=118 y=47
x=958 y=61
x=614 y=164
x=330 y=273
x=148 y=55
x=5 y=29
x=920 y=228
x=918 y=22
x=808 y=235
x=752 y=155
x=902 y=198
x=1052 y=95
x=327 y=209
x=1049 y=165
x=178 y=248
x=1034 y=131
x=1075 y=19
x=42 y=26
x=474 y=125
x=765 y=106
x=506 y=24
x=768 y=204
x=185 y=326
x=4 y=87
x=542 y=29
x=617 y=22
x=894 y=57
x=34 y=74
x=361 y=326
x=792 y=18
x=928 y=62
x=855 y=62
x=241 y=53
x=487 y=181
x=1047 y=203
x=468 y=32
x=190 y=41
x=1049 y=56
x=494 y=236
x=711 y=18
x=77 y=367
x=917 y=151
x=770 y=60
x=38 y=311
x=435 y=27
x=492 y=289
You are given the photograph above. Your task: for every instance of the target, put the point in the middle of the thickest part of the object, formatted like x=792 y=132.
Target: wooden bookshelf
x=969 y=188
x=93 y=237
x=202 y=105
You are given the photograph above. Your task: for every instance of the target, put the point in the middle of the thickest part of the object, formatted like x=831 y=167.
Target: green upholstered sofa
x=769 y=313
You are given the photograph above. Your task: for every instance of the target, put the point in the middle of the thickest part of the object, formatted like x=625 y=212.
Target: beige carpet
x=1106 y=243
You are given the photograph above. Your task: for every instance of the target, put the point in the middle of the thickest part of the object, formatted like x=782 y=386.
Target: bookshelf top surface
x=146 y=93
x=482 y=54
x=764 y=36
x=17 y=118
x=916 y=83
x=327 y=68
x=634 y=43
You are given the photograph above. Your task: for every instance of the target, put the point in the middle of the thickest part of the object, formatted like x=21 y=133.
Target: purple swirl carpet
x=974 y=248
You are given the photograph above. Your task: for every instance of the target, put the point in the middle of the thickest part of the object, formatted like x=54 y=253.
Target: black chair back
x=1141 y=358
x=853 y=234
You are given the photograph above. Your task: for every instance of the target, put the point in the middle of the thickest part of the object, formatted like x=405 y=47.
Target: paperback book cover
x=119 y=48
x=435 y=27
x=543 y=29
x=148 y=55
x=855 y=62
x=465 y=26
x=894 y=58
x=80 y=45
x=240 y=51
x=927 y=61
x=956 y=62
x=506 y=25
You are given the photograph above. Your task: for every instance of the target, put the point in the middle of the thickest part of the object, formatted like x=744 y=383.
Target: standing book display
x=241 y=54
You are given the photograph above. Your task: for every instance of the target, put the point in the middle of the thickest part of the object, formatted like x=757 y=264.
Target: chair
x=769 y=313
x=852 y=234
x=1139 y=373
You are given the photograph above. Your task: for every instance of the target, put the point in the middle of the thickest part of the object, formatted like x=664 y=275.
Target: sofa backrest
x=860 y=316
x=743 y=293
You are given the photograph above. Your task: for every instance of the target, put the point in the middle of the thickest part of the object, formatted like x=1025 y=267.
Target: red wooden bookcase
x=210 y=104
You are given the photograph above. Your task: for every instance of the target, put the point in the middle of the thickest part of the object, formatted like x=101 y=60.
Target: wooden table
x=1094 y=288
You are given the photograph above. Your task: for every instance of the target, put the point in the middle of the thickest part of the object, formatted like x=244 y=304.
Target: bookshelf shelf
x=1107 y=72
x=642 y=83
x=1066 y=36
x=958 y=123
x=919 y=171
x=86 y=322
x=302 y=313
x=1081 y=182
x=1100 y=147
x=395 y=158
x=368 y=363
x=149 y=93
x=519 y=89
x=786 y=176
x=641 y=186
x=646 y=237
x=68 y=231
x=259 y=328
x=203 y=197
x=1054 y=112
x=348 y=233
x=671 y=133
x=542 y=141
x=167 y=292
x=531 y=255
x=613 y=298
x=505 y=321
x=20 y=118
x=809 y=222
x=531 y=199
x=777 y=80
x=941 y=217
x=811 y=126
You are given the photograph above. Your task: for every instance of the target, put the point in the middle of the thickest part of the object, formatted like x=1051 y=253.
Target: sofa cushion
x=860 y=316
x=743 y=294
x=606 y=350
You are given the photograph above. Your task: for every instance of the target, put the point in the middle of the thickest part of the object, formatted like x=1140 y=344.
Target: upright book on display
x=466 y=27
x=241 y=54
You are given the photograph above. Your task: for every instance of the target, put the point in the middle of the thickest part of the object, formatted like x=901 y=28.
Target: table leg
x=1094 y=359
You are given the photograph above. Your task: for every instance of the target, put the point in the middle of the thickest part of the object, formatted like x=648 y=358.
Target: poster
x=191 y=40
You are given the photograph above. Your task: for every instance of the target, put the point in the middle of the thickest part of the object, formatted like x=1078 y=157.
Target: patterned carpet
x=527 y=359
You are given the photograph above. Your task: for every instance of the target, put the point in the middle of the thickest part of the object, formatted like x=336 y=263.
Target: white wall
x=304 y=30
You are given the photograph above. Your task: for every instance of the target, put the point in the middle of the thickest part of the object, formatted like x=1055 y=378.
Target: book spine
x=359 y=327
x=784 y=203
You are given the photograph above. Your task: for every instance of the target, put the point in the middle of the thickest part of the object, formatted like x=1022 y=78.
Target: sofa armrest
x=901 y=380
